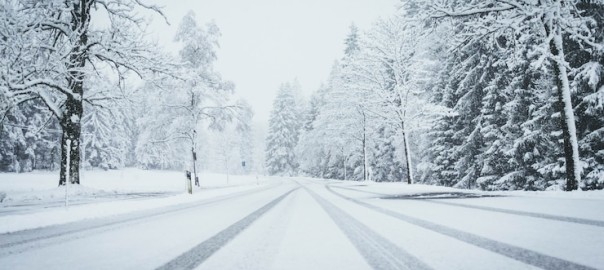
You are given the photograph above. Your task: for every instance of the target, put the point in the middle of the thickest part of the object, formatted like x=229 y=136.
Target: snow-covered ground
x=441 y=222
x=39 y=185
x=33 y=200
x=304 y=223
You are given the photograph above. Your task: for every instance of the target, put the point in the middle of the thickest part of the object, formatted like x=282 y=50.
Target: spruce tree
x=283 y=134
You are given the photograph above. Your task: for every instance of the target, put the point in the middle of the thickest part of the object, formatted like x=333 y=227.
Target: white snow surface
x=570 y=241
x=308 y=228
x=392 y=188
x=297 y=234
x=103 y=194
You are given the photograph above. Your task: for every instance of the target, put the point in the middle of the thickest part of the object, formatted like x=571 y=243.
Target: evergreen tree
x=352 y=41
x=551 y=22
x=282 y=138
x=29 y=137
x=588 y=89
x=309 y=152
x=104 y=138
x=385 y=164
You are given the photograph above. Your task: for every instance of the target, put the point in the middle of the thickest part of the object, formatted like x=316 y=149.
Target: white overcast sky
x=267 y=42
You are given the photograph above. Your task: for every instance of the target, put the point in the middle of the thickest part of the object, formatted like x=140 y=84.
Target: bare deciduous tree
x=51 y=50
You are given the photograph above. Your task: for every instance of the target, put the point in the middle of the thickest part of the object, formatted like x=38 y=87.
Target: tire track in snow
x=362 y=191
x=198 y=254
x=517 y=253
x=378 y=251
x=20 y=241
x=583 y=221
x=266 y=241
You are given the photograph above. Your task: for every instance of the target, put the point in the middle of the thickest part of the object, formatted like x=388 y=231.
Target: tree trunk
x=194 y=158
x=344 y=165
x=365 y=176
x=364 y=156
x=72 y=116
x=567 y=121
x=407 y=155
x=71 y=131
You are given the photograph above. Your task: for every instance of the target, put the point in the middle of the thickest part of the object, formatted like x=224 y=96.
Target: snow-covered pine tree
x=493 y=118
x=309 y=150
x=104 y=138
x=453 y=151
x=345 y=128
x=385 y=163
x=436 y=165
x=283 y=133
x=587 y=85
x=394 y=70
x=337 y=145
x=554 y=20
x=29 y=137
x=352 y=41
x=520 y=132
x=351 y=100
x=477 y=110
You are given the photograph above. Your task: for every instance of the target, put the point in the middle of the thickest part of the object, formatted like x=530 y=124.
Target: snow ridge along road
x=16 y=242
x=378 y=251
x=583 y=221
x=521 y=254
x=198 y=254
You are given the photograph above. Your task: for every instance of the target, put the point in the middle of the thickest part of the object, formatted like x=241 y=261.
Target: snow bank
x=398 y=188
x=39 y=190
x=42 y=185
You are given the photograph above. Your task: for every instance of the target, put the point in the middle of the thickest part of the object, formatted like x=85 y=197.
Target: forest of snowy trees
x=81 y=87
x=496 y=95
x=491 y=94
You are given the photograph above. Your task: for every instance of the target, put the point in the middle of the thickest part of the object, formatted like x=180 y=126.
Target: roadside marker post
x=188 y=184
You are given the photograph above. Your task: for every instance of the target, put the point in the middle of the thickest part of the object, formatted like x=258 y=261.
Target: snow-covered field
x=31 y=200
x=115 y=181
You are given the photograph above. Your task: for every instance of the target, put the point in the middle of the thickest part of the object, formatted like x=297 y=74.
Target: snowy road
x=311 y=224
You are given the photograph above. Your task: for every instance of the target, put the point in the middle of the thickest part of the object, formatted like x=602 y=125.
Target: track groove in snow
x=198 y=254
x=598 y=223
x=521 y=254
x=16 y=242
x=378 y=251
x=591 y=222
